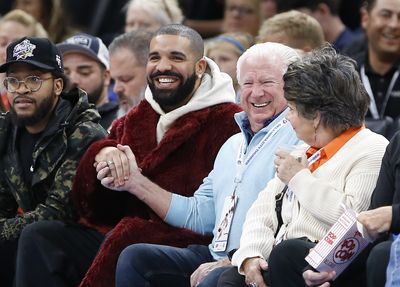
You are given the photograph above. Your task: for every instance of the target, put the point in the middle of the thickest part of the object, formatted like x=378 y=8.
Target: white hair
x=164 y=11
x=278 y=53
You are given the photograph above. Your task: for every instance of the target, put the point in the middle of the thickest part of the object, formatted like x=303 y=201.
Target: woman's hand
x=287 y=165
x=313 y=278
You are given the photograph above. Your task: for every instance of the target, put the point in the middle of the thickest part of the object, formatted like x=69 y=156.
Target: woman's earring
x=315 y=135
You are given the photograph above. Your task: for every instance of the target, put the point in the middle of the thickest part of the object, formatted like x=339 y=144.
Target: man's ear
x=107 y=77
x=201 y=66
x=58 y=86
x=364 y=17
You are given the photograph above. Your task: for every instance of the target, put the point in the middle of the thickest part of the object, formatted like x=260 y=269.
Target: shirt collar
x=328 y=151
x=247 y=128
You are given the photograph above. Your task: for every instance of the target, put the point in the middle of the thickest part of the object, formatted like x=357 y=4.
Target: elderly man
x=42 y=139
x=128 y=58
x=175 y=134
x=87 y=64
x=242 y=168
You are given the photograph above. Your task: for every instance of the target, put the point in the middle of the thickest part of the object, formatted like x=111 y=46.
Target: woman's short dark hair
x=327 y=83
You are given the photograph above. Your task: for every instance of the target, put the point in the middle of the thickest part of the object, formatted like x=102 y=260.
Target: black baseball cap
x=39 y=52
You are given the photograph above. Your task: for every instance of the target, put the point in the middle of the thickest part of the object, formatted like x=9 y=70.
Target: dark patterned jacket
x=71 y=129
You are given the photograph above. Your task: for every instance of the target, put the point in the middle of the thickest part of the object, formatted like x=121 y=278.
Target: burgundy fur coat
x=178 y=164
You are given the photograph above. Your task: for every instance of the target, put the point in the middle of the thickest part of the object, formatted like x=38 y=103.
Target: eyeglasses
x=33 y=83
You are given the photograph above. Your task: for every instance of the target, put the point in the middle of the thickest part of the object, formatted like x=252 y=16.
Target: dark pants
x=286 y=265
x=8 y=253
x=52 y=253
x=377 y=262
x=153 y=265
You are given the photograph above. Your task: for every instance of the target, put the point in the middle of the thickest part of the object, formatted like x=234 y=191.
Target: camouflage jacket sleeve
x=55 y=186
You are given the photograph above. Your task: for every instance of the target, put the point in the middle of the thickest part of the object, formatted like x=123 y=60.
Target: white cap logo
x=58 y=60
x=24 y=50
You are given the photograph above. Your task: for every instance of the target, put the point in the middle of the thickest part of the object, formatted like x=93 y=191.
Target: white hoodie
x=215 y=88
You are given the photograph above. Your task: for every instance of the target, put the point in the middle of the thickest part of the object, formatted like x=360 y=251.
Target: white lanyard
x=372 y=107
x=242 y=163
x=222 y=234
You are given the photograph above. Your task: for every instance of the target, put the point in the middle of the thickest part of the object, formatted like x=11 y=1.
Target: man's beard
x=172 y=98
x=94 y=96
x=129 y=102
x=42 y=110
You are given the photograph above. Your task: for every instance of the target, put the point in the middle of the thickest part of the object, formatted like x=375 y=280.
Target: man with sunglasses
x=42 y=139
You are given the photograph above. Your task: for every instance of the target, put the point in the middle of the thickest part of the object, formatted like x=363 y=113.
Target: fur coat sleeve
x=178 y=163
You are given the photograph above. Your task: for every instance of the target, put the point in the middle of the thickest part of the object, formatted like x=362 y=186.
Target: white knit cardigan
x=349 y=178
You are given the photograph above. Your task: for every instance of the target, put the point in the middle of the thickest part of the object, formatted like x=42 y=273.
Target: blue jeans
x=393 y=269
x=143 y=264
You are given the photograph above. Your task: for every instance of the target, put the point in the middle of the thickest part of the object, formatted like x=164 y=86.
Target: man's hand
x=117 y=162
x=105 y=172
x=252 y=268
x=205 y=268
x=137 y=184
x=377 y=220
x=313 y=278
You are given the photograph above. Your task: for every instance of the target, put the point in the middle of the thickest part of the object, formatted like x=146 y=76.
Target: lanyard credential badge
x=225 y=223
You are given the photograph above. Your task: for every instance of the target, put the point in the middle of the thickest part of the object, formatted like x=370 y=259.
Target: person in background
x=326 y=12
x=294 y=29
x=175 y=134
x=51 y=14
x=242 y=16
x=264 y=128
x=268 y=8
x=87 y=64
x=150 y=15
x=128 y=59
x=340 y=166
x=204 y=16
x=225 y=50
x=42 y=139
x=379 y=63
x=14 y=25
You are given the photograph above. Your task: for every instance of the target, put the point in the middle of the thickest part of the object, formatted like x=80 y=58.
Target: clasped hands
x=116 y=168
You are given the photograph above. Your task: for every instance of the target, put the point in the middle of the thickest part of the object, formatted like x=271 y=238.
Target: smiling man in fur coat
x=175 y=134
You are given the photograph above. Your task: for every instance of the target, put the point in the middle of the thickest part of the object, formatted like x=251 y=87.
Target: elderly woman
x=327 y=105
